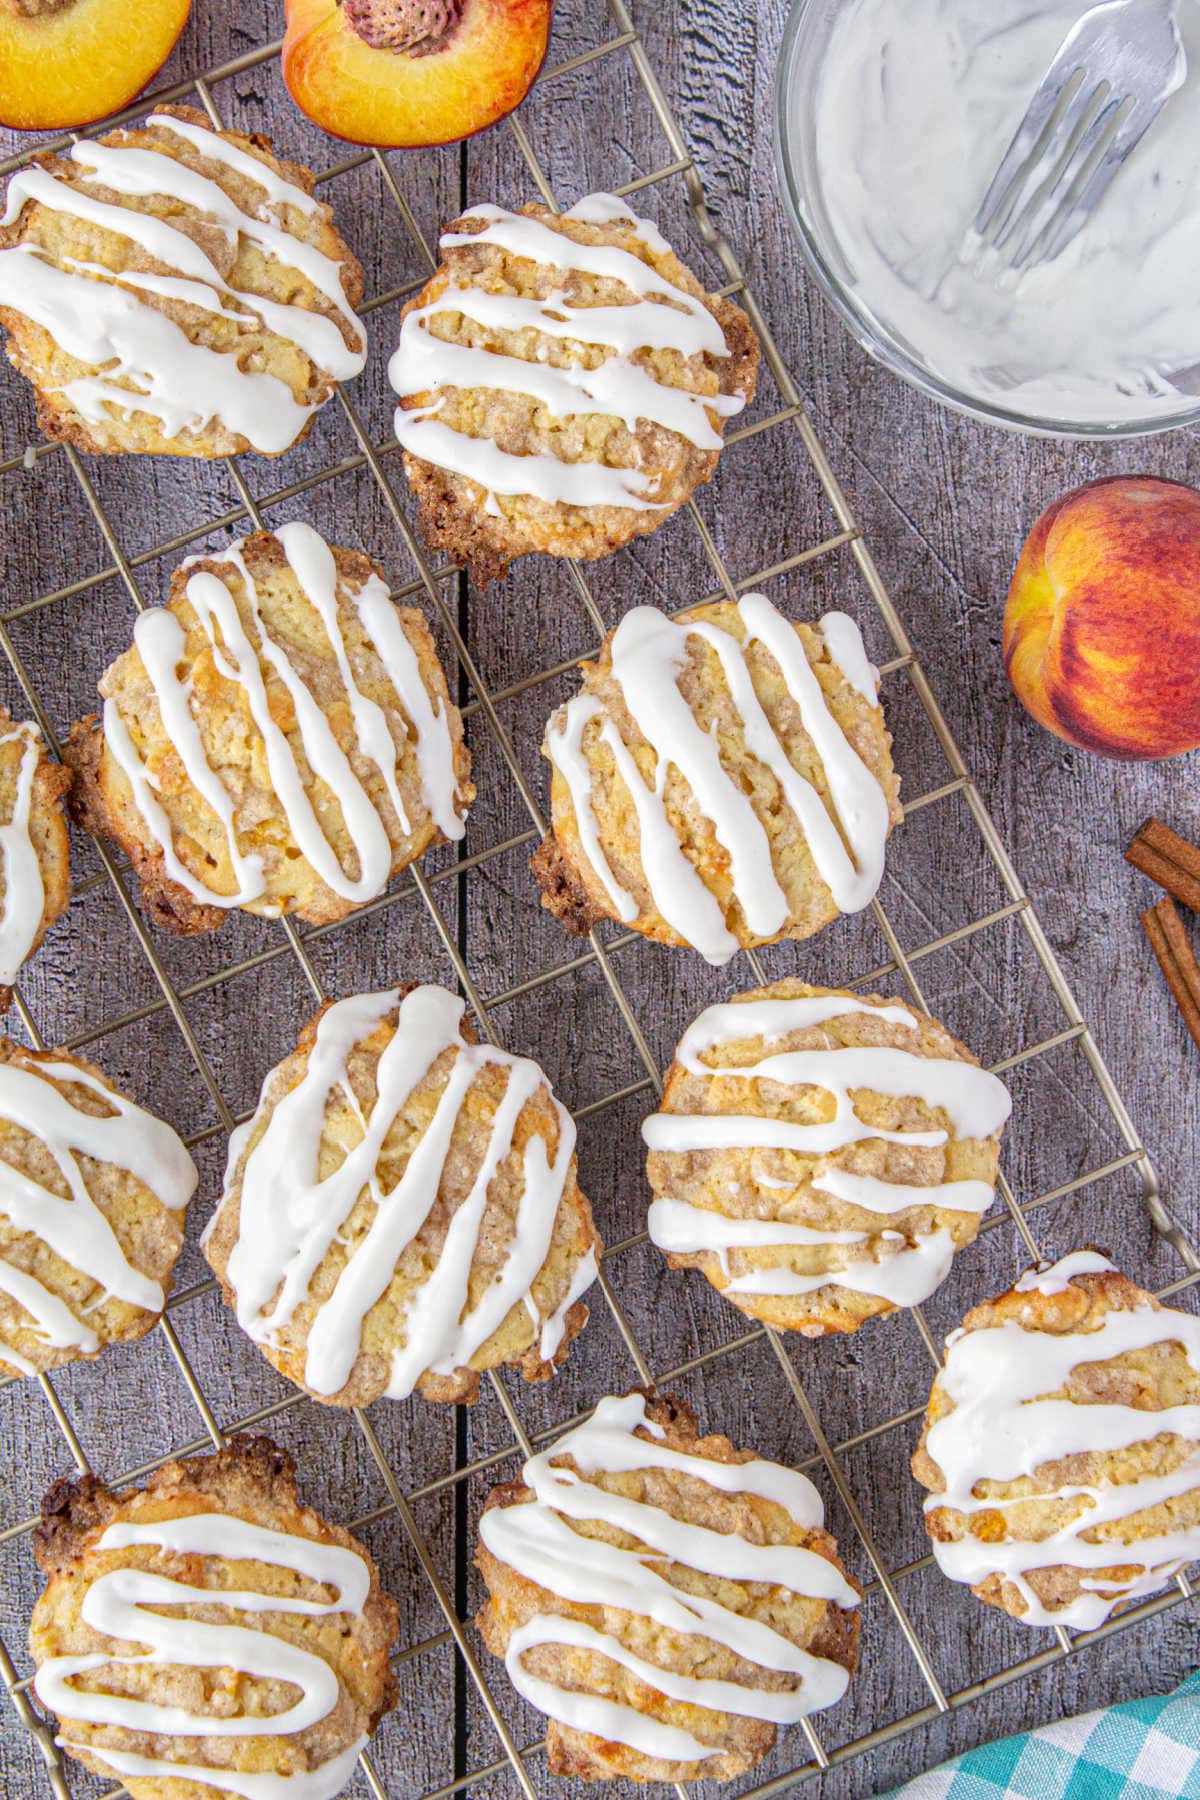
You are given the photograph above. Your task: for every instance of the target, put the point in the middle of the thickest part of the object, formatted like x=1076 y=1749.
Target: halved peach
x=402 y=73
x=70 y=62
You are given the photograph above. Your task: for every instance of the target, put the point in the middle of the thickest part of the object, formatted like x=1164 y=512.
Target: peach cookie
x=1062 y=1446
x=209 y=1634
x=279 y=738
x=173 y=289
x=724 y=779
x=820 y=1156
x=35 y=870
x=92 y=1194
x=665 y=1599
x=402 y=1210
x=564 y=383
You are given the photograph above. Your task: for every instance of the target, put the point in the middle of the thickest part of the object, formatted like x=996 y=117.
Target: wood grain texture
x=945 y=505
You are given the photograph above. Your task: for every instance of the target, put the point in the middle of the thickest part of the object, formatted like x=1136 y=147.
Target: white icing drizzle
x=521 y=235
x=316 y=1784
x=1055 y=1278
x=24 y=894
x=905 y=1276
x=898 y=1196
x=1000 y=1429
x=675 y=887
x=143 y=174
x=536 y=1541
x=648 y=652
x=75 y=1228
x=289 y=1215
x=181 y=384
x=313 y=565
x=564 y=745
x=617 y=386
x=538 y=474
x=554 y=1327
x=14 y=1358
x=976 y=1102
x=663 y=317
x=846 y=836
x=160 y=639
x=121 y=1604
x=676 y=1225
x=279 y=191
x=94 y=315
x=171 y=287
x=845 y=645
x=772 y=1019
x=53 y=1319
x=606 y=209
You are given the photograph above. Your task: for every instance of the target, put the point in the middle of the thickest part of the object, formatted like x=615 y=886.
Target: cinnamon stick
x=1177 y=960
x=1168 y=859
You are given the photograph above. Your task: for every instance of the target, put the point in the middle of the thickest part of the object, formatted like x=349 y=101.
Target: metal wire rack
x=435 y=586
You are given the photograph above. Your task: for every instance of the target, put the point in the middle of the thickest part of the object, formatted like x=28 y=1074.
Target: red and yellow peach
x=1102 y=625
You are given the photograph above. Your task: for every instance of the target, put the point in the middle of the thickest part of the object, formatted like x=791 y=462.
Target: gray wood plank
x=945 y=504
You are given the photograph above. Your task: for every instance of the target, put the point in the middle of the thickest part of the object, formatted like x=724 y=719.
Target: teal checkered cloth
x=1144 y=1750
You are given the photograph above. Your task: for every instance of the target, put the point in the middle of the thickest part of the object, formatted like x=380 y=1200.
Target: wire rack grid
x=437 y=586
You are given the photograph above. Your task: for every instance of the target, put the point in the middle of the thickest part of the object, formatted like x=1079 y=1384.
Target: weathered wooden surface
x=945 y=505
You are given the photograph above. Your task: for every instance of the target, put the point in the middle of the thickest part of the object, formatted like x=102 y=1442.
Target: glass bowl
x=801 y=60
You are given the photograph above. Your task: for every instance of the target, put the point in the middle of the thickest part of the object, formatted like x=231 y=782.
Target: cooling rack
x=499 y=1754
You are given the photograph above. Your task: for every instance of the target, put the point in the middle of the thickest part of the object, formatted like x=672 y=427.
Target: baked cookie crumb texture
x=402 y=1212
x=173 y=289
x=821 y=1156
x=1061 y=1448
x=665 y=1600
x=209 y=1634
x=35 y=872
x=92 y=1194
x=280 y=738
x=723 y=779
x=564 y=383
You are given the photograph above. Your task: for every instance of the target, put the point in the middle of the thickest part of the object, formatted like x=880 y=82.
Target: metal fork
x=1110 y=80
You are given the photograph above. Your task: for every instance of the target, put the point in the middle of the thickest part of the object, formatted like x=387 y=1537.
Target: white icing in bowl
x=891 y=117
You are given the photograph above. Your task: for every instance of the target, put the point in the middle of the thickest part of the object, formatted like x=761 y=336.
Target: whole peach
x=1102 y=624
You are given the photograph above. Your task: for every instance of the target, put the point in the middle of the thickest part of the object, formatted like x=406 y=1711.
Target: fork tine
x=1026 y=149
x=1091 y=134
x=1079 y=130
x=1059 y=230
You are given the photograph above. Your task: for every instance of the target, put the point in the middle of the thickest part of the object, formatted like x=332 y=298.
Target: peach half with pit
x=71 y=62
x=403 y=73
x=1102 y=625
